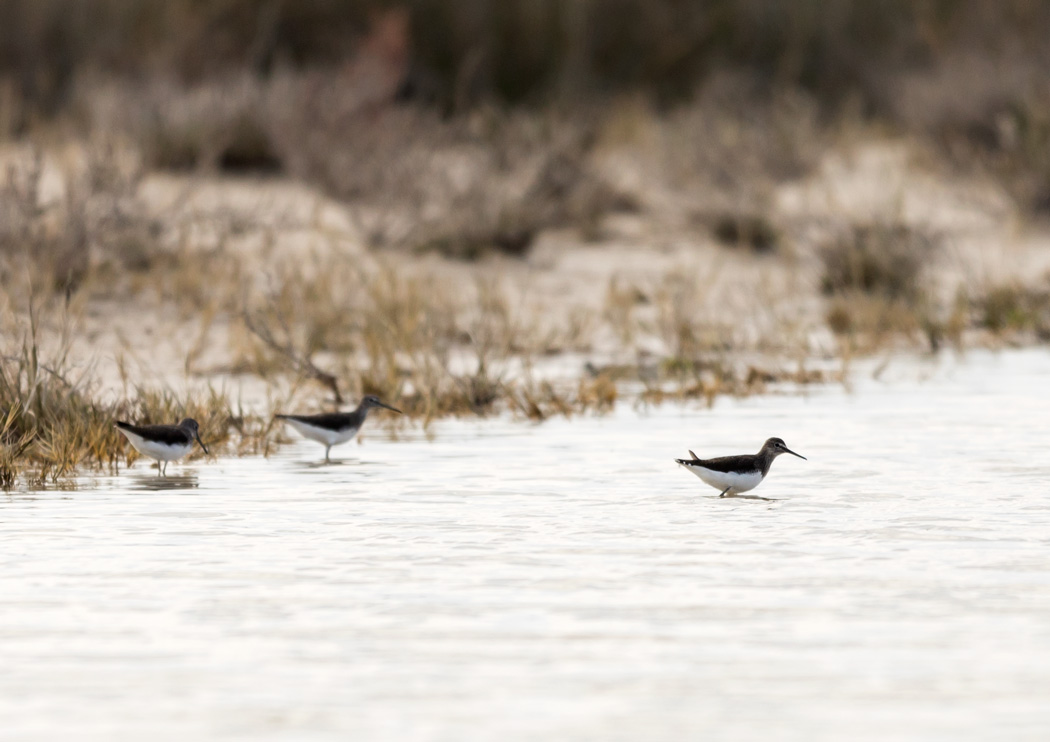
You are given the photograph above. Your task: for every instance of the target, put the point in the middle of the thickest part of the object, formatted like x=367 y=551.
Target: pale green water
x=561 y=582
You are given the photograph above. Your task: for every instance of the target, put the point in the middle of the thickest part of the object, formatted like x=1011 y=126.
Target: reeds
x=1012 y=308
x=92 y=222
x=876 y=277
x=54 y=419
x=49 y=419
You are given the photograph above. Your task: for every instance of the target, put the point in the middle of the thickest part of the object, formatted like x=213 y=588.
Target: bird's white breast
x=322 y=435
x=739 y=481
x=155 y=449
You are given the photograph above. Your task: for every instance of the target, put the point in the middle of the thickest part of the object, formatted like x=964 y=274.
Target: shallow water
x=564 y=581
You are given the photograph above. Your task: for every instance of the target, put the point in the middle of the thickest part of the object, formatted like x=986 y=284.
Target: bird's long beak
x=197 y=436
x=788 y=450
x=394 y=409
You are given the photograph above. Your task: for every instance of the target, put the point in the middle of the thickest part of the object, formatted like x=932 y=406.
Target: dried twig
x=299 y=361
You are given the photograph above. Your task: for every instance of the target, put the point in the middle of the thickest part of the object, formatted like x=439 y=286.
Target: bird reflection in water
x=151 y=483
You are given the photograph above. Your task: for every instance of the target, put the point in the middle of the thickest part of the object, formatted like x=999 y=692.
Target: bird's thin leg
x=162 y=468
x=326 y=451
x=726 y=490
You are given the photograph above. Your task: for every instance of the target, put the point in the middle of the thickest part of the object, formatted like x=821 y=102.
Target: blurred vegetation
x=469 y=127
x=879 y=259
x=53 y=420
x=232 y=83
x=1013 y=307
x=514 y=50
x=248 y=75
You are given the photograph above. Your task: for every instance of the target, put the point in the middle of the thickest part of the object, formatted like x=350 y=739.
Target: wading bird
x=163 y=442
x=332 y=428
x=735 y=474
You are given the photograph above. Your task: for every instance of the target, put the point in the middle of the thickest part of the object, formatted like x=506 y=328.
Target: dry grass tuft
x=878 y=259
x=871 y=322
x=224 y=124
x=753 y=232
x=1015 y=308
x=57 y=239
x=1004 y=130
x=53 y=421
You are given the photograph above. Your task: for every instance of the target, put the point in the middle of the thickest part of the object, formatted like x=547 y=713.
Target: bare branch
x=297 y=360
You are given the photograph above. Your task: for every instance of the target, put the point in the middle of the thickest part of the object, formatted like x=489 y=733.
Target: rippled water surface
x=562 y=582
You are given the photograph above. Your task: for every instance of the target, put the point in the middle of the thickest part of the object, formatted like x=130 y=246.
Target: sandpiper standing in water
x=163 y=442
x=735 y=474
x=332 y=428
